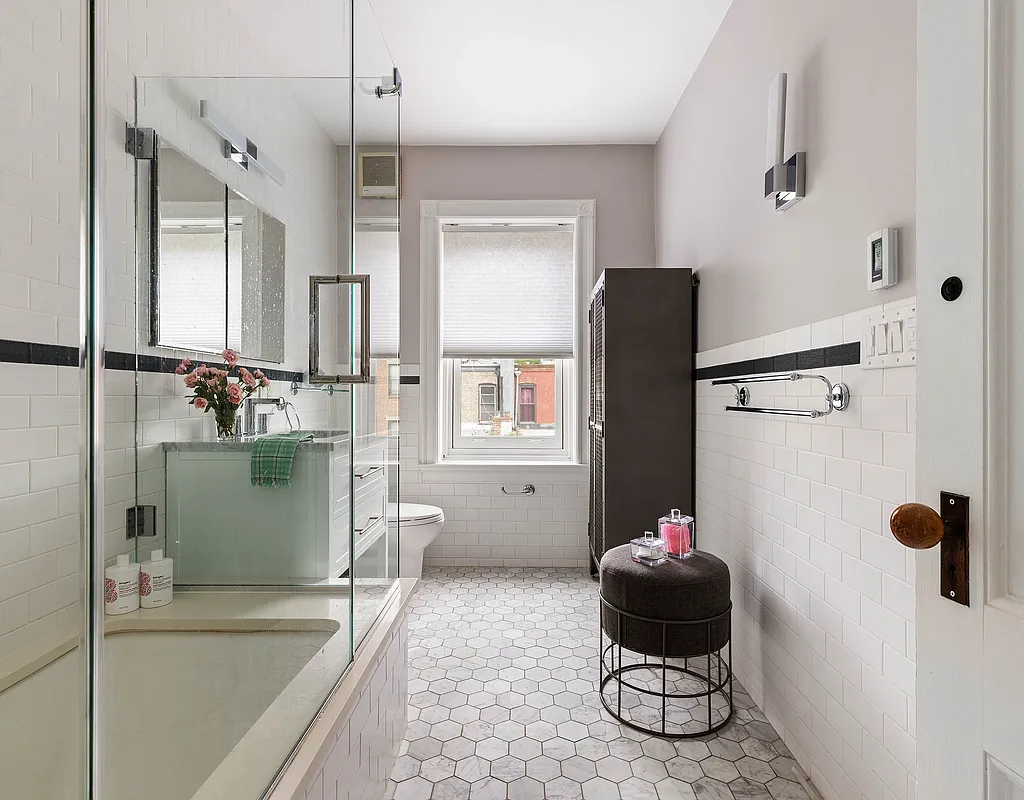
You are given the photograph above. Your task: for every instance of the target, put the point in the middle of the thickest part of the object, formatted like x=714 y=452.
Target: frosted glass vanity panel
x=222 y=529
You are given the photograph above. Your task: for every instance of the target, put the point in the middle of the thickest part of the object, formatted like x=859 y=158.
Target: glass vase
x=226 y=424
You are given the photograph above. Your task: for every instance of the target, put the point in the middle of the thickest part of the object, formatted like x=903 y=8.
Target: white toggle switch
x=869 y=341
x=896 y=336
x=881 y=335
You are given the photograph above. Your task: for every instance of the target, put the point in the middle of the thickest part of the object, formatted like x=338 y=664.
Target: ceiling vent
x=378 y=175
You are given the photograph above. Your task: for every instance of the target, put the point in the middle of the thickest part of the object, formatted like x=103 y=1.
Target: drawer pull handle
x=368 y=472
x=369 y=524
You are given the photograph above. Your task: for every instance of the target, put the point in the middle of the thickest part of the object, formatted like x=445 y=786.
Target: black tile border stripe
x=839 y=355
x=56 y=355
x=16 y=352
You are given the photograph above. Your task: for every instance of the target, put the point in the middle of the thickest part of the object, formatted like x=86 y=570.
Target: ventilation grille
x=378 y=175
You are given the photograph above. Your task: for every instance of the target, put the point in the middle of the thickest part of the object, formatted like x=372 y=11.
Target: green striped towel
x=272 y=457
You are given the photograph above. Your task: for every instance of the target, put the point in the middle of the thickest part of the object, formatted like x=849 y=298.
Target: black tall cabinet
x=641 y=403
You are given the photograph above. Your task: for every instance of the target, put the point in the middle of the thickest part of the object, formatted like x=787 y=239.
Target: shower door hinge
x=140 y=521
x=140 y=143
x=390 y=85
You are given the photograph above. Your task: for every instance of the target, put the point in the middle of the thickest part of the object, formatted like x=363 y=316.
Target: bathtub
x=211 y=691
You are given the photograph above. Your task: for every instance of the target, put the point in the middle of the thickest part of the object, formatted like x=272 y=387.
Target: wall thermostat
x=883 y=258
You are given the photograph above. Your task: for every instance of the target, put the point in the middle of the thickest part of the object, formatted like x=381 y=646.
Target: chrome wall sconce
x=237 y=146
x=785 y=180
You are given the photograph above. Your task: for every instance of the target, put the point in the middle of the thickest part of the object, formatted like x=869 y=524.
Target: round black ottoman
x=677 y=613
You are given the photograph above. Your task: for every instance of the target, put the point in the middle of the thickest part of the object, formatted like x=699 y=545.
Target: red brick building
x=535 y=405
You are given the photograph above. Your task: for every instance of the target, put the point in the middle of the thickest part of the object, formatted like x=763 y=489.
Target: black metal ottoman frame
x=608 y=672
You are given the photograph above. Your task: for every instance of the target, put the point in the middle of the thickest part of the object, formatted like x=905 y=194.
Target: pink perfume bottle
x=677 y=532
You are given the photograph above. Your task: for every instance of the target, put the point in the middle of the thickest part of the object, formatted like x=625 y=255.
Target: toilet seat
x=411 y=514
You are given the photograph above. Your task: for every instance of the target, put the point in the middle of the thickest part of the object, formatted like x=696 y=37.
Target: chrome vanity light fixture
x=237 y=146
x=784 y=180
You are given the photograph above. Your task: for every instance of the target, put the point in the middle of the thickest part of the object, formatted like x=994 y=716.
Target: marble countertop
x=322 y=440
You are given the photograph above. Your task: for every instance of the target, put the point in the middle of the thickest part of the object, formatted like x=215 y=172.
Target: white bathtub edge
x=305 y=770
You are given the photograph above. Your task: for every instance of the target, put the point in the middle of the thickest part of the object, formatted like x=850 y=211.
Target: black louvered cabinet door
x=596 y=424
x=641 y=433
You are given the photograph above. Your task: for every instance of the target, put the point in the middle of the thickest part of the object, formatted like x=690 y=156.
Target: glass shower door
x=376 y=168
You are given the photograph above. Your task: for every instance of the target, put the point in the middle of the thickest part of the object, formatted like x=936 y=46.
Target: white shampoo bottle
x=156 y=584
x=121 y=587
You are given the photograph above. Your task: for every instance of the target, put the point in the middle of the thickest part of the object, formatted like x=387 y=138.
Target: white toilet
x=418 y=526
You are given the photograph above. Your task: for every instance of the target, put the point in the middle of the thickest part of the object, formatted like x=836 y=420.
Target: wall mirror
x=218 y=264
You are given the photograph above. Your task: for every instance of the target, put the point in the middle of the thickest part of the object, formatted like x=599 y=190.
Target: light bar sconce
x=784 y=180
x=237 y=146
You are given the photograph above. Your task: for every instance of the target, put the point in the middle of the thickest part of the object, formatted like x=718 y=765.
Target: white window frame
x=493 y=387
x=436 y=380
x=397 y=385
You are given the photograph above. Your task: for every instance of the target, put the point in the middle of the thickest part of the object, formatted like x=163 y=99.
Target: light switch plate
x=889 y=338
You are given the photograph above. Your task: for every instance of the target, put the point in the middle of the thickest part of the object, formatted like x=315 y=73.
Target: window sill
x=510 y=471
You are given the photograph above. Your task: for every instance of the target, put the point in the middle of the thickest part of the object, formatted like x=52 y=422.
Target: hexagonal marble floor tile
x=504 y=706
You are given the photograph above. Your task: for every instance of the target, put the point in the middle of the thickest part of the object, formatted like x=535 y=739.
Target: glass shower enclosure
x=211 y=377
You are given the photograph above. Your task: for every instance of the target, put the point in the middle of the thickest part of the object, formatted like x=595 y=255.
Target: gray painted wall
x=620 y=177
x=852 y=82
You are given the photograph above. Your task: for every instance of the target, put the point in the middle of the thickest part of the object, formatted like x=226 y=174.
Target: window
x=507 y=329
x=484 y=390
x=504 y=329
x=487 y=403
x=394 y=380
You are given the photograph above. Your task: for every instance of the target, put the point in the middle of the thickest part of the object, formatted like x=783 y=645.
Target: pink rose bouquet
x=214 y=391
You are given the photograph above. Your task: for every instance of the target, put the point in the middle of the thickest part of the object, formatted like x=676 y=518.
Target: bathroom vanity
x=221 y=528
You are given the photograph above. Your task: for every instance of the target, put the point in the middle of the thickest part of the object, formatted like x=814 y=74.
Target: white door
x=970 y=199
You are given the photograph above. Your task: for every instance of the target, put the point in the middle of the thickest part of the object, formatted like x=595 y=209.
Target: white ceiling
x=495 y=72
x=544 y=71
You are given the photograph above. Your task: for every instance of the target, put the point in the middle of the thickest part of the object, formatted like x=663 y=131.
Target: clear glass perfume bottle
x=648 y=549
x=677 y=532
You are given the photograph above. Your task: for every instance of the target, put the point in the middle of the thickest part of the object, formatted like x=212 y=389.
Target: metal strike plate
x=140 y=521
x=955 y=512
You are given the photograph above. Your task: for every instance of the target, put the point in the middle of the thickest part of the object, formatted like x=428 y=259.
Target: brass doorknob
x=916 y=526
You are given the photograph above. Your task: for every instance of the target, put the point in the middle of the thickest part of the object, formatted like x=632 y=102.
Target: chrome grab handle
x=315 y=282
x=528 y=489
x=368 y=472
x=369 y=524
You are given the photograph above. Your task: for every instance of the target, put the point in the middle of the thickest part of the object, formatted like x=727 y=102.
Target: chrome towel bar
x=297 y=387
x=837 y=396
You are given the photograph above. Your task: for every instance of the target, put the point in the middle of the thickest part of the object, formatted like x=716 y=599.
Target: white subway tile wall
x=824 y=608
x=484 y=527
x=39 y=234
x=39 y=266
x=362 y=755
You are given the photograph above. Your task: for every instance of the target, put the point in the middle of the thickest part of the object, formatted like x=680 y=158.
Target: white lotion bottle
x=156 y=583
x=121 y=587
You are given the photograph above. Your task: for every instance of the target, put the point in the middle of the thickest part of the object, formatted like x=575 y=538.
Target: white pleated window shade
x=507 y=292
x=376 y=255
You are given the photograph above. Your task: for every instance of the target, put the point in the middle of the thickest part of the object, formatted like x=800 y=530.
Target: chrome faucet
x=255 y=423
